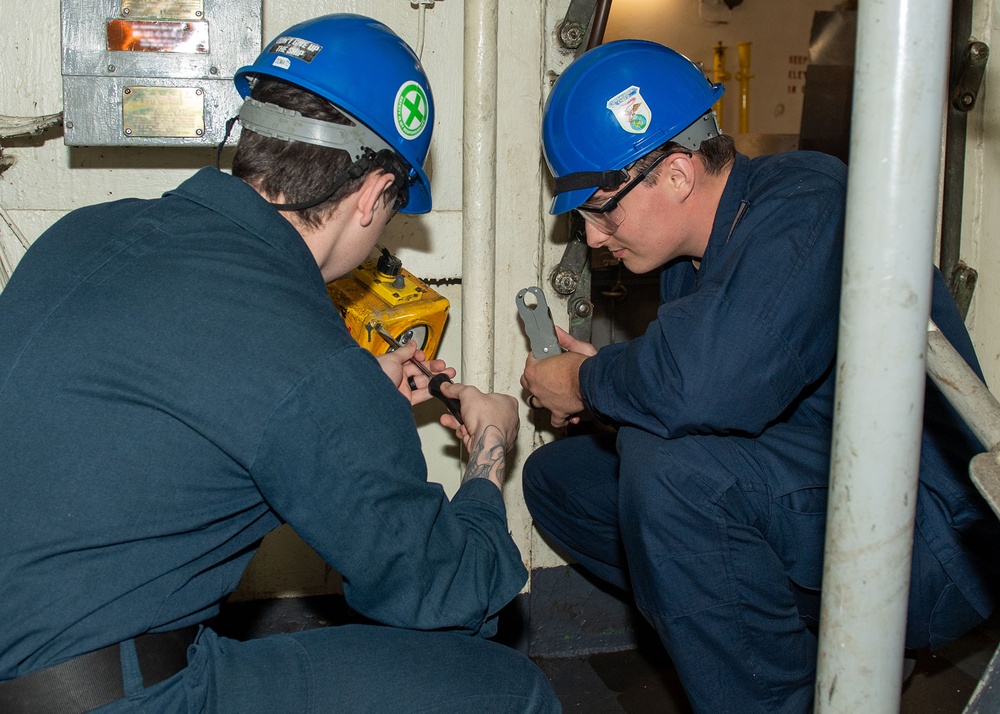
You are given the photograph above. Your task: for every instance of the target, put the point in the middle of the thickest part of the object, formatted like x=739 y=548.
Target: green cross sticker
x=411 y=110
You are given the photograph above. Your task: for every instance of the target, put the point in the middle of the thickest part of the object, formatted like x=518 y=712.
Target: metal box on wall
x=154 y=72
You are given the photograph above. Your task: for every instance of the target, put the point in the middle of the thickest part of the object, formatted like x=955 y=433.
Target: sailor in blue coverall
x=175 y=383
x=708 y=499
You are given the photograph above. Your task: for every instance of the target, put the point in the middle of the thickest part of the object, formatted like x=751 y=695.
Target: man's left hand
x=409 y=380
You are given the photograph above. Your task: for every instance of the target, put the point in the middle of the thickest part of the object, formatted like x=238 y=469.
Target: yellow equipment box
x=382 y=291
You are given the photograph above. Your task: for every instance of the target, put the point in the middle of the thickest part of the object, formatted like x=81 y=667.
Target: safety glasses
x=608 y=217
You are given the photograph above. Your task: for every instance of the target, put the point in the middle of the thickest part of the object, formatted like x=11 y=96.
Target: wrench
x=538 y=323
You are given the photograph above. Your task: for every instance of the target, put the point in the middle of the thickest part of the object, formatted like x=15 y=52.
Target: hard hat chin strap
x=386 y=159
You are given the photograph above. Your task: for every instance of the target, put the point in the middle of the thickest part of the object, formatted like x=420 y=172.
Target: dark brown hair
x=716 y=153
x=294 y=170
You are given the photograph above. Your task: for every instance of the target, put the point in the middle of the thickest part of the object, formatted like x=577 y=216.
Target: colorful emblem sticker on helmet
x=296 y=47
x=631 y=111
x=411 y=110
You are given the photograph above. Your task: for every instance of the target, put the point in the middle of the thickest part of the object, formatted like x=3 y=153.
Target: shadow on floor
x=642 y=680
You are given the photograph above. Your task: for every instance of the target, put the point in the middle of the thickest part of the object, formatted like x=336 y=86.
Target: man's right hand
x=489 y=432
x=555 y=381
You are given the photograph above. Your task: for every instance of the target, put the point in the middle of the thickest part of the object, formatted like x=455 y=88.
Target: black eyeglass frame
x=612 y=203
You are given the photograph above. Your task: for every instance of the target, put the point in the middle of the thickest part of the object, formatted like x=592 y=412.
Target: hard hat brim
x=568 y=200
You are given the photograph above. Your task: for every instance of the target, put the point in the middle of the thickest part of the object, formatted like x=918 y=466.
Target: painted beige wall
x=50 y=179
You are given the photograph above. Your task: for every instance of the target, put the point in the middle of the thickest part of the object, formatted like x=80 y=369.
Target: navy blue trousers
x=720 y=542
x=347 y=669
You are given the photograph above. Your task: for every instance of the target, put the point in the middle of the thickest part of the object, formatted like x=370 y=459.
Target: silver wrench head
x=538 y=323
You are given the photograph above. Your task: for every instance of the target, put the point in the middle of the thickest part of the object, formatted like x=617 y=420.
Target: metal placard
x=163 y=9
x=163 y=111
x=158 y=36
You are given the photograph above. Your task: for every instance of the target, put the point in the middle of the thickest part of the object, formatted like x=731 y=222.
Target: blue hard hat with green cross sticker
x=391 y=99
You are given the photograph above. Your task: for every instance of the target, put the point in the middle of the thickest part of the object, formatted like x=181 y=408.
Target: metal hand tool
x=538 y=323
x=436 y=380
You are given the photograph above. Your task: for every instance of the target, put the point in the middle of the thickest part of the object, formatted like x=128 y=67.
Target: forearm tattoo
x=487 y=457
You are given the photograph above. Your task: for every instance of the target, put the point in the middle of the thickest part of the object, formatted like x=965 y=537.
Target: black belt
x=95 y=679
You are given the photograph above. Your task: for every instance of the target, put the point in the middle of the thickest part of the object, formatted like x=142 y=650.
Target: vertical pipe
x=744 y=76
x=719 y=75
x=892 y=198
x=479 y=144
x=600 y=23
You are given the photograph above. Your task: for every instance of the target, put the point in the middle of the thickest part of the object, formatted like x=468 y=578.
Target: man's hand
x=571 y=344
x=398 y=367
x=555 y=381
x=489 y=432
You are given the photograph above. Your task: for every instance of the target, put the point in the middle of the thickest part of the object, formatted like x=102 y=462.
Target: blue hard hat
x=615 y=104
x=366 y=70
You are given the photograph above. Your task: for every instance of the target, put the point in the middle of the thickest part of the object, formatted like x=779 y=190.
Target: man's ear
x=681 y=174
x=370 y=195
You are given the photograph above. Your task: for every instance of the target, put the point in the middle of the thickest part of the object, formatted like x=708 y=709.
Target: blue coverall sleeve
x=341 y=462
x=760 y=326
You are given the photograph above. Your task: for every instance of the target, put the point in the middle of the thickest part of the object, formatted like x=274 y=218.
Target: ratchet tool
x=436 y=380
x=538 y=323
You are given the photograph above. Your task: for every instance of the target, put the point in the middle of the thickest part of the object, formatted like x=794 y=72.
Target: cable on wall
x=10 y=127
x=421 y=6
